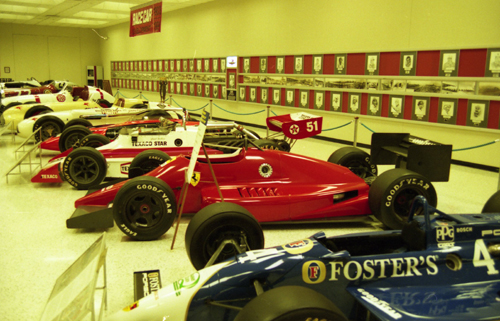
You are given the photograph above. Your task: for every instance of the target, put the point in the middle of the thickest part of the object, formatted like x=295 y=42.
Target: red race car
x=274 y=186
x=87 y=167
x=103 y=125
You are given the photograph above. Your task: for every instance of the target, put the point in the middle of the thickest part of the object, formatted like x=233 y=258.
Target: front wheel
x=391 y=195
x=84 y=167
x=355 y=159
x=219 y=224
x=94 y=140
x=50 y=127
x=145 y=208
x=72 y=135
x=146 y=161
x=290 y=303
x=78 y=121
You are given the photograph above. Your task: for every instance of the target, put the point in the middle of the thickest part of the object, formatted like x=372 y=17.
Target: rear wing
x=297 y=125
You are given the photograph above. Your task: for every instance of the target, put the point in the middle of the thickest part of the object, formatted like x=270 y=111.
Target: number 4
x=312 y=126
x=480 y=249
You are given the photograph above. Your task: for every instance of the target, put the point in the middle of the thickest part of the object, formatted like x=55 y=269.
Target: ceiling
x=78 y=13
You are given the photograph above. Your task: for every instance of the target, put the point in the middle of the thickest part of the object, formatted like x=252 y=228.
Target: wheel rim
x=358 y=167
x=144 y=210
x=219 y=235
x=72 y=139
x=402 y=202
x=84 y=170
x=49 y=130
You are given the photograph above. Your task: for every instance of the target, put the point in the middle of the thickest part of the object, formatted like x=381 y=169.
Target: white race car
x=31 y=83
x=124 y=156
x=68 y=98
x=48 y=93
x=53 y=123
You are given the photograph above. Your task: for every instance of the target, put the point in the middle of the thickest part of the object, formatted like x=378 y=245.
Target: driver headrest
x=413 y=236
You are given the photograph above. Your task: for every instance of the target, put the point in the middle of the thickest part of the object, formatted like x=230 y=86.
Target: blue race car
x=438 y=267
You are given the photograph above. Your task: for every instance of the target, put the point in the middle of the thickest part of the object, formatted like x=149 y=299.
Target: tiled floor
x=36 y=246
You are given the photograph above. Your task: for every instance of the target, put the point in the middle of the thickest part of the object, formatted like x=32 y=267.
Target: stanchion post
x=211 y=109
x=267 y=128
x=355 y=140
x=170 y=103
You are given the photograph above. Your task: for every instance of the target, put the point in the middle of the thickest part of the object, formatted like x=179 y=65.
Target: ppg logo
x=445 y=234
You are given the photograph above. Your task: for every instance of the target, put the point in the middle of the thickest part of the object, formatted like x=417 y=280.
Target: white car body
x=97 y=116
x=173 y=299
x=54 y=102
x=20 y=84
x=65 y=87
x=133 y=143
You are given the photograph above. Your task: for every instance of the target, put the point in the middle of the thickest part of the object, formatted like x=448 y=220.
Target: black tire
x=356 y=160
x=146 y=161
x=392 y=193
x=104 y=103
x=216 y=223
x=145 y=208
x=492 y=205
x=51 y=126
x=284 y=146
x=78 y=121
x=139 y=106
x=290 y=303
x=71 y=136
x=267 y=144
x=94 y=141
x=84 y=168
x=36 y=110
x=156 y=114
x=15 y=103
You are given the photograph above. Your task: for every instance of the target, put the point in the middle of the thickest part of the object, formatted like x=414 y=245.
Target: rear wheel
x=290 y=303
x=94 y=141
x=156 y=114
x=492 y=204
x=78 y=121
x=139 y=106
x=146 y=161
x=50 y=127
x=217 y=224
x=145 y=208
x=84 y=167
x=356 y=160
x=36 y=110
x=72 y=135
x=267 y=144
x=391 y=195
x=16 y=103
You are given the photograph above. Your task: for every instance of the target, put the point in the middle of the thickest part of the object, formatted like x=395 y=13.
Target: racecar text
x=150 y=144
x=314 y=272
x=142 y=17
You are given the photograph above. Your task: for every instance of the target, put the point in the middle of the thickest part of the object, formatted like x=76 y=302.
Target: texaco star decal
x=294 y=129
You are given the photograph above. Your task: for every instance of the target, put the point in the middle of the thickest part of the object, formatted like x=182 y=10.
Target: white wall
x=280 y=27
x=47 y=52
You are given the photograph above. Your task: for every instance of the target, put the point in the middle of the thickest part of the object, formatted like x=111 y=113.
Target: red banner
x=145 y=19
